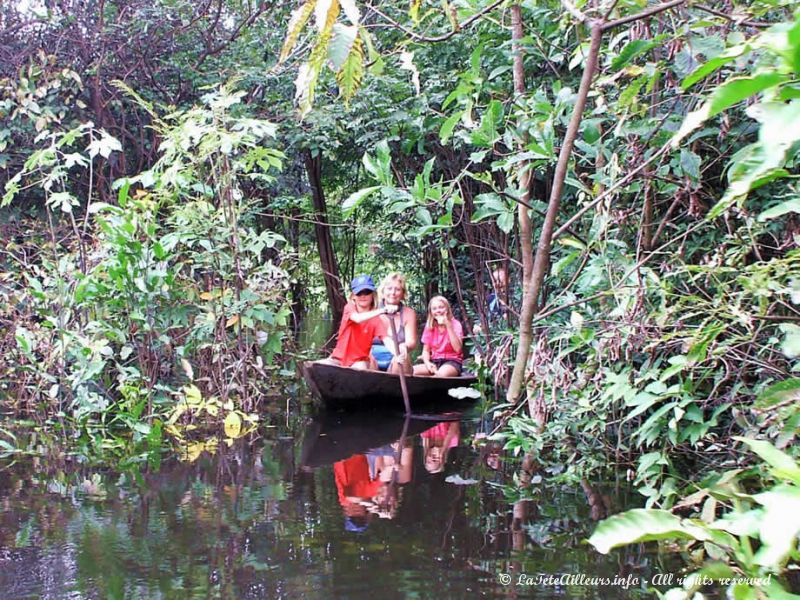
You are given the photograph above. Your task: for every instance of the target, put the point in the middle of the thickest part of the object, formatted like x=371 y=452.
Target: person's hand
x=441 y=319
x=390 y=309
x=431 y=367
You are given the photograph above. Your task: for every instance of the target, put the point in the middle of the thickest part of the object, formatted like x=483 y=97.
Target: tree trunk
x=533 y=284
x=327 y=257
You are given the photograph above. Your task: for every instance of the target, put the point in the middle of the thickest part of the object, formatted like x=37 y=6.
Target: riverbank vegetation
x=182 y=182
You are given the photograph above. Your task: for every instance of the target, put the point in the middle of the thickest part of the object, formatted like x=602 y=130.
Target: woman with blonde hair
x=392 y=358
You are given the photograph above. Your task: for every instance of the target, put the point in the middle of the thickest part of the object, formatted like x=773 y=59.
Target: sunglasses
x=364 y=293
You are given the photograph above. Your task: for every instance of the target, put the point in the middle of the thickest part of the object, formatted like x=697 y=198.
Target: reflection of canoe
x=335 y=436
x=343 y=387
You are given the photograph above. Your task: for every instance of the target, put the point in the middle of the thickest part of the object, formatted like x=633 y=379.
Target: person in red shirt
x=442 y=341
x=360 y=325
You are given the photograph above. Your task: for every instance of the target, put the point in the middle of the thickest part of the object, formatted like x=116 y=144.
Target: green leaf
x=712 y=65
x=379 y=167
x=446 y=130
x=355 y=199
x=762 y=162
x=342 y=41
x=726 y=95
x=778 y=392
x=122 y=194
x=782 y=465
x=25 y=340
x=506 y=222
x=297 y=21
x=104 y=146
x=351 y=11
x=642 y=525
x=690 y=164
x=791 y=343
x=792 y=205
x=634 y=49
x=351 y=74
x=779 y=526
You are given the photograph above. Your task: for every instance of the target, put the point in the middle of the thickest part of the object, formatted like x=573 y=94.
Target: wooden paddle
x=403 y=385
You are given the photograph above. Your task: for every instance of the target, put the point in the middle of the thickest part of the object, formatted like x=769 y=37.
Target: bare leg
x=421 y=371
x=447 y=371
x=361 y=365
x=395 y=367
x=331 y=361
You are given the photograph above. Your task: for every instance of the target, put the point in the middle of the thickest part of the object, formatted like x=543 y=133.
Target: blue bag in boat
x=382 y=355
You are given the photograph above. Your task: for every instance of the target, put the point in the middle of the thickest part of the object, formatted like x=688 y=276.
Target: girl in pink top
x=442 y=341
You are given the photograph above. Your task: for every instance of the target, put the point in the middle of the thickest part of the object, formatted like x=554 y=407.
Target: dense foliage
x=630 y=165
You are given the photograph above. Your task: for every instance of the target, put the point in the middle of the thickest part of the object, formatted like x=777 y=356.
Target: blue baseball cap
x=354 y=525
x=361 y=283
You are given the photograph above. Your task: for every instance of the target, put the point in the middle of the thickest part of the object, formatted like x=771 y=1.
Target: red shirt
x=352 y=479
x=438 y=341
x=355 y=339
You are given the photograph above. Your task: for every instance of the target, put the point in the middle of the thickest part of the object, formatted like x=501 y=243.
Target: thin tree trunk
x=327 y=257
x=533 y=284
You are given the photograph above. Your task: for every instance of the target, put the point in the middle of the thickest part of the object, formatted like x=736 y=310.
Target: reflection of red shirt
x=438 y=341
x=352 y=479
x=355 y=339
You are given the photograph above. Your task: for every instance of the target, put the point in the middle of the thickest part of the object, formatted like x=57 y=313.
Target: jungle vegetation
x=183 y=181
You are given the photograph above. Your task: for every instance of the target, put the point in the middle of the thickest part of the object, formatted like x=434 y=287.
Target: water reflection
x=349 y=506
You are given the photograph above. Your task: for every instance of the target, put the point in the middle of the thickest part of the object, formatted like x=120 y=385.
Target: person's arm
x=452 y=333
x=411 y=329
x=426 y=359
x=360 y=317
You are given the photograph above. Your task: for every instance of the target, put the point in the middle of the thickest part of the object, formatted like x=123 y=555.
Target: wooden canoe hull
x=346 y=388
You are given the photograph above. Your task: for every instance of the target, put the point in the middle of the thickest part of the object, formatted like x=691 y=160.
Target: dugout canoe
x=342 y=387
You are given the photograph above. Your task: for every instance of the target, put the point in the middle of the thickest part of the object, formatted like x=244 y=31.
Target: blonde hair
x=394 y=276
x=431 y=321
x=428 y=445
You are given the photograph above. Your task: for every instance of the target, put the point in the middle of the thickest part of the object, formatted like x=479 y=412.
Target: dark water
x=301 y=512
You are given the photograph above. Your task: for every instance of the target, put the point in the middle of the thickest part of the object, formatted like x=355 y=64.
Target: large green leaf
x=633 y=49
x=355 y=199
x=791 y=343
x=642 y=525
x=449 y=125
x=726 y=95
x=763 y=161
x=778 y=392
x=792 y=205
x=780 y=525
x=712 y=65
x=352 y=72
x=297 y=21
x=341 y=43
x=782 y=465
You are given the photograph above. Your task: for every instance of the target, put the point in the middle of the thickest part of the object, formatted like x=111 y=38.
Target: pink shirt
x=439 y=432
x=438 y=341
